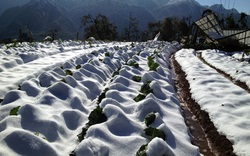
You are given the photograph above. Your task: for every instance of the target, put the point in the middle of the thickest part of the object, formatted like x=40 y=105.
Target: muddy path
x=201 y=127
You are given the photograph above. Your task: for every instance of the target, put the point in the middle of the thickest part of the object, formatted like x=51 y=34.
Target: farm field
x=116 y=98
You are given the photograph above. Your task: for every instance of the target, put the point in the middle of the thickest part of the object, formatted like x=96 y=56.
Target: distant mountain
x=64 y=15
x=179 y=8
x=6 y=4
x=40 y=16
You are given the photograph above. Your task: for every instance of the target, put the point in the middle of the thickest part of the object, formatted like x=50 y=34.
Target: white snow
x=239 y=70
x=55 y=106
x=227 y=104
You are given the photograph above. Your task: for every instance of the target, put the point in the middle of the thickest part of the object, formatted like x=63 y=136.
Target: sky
x=240 y=5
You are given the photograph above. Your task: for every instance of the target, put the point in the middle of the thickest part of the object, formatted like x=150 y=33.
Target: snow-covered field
x=73 y=98
x=227 y=104
x=238 y=70
x=121 y=96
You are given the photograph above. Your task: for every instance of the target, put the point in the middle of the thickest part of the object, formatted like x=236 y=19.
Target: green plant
x=82 y=134
x=115 y=73
x=107 y=54
x=69 y=72
x=139 y=97
x=63 y=80
x=78 y=66
x=149 y=119
x=13 y=44
x=156 y=53
x=152 y=133
x=15 y=110
x=142 y=150
x=102 y=96
x=96 y=116
x=134 y=64
x=145 y=89
x=152 y=64
x=136 y=78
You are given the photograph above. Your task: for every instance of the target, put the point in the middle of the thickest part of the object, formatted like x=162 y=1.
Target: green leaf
x=150 y=118
x=78 y=66
x=134 y=64
x=139 y=97
x=82 y=134
x=136 y=78
x=68 y=72
x=107 y=54
x=145 y=89
x=151 y=64
x=63 y=80
x=142 y=150
x=115 y=73
x=14 y=110
x=96 y=116
x=154 y=66
x=154 y=132
x=102 y=96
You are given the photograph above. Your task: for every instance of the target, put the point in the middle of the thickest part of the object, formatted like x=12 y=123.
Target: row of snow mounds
x=12 y=78
x=14 y=55
x=140 y=101
x=227 y=104
x=45 y=115
x=232 y=66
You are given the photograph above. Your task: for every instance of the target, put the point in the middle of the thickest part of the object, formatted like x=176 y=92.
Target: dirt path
x=218 y=144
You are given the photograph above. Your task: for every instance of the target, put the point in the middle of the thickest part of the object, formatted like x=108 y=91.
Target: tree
x=154 y=28
x=52 y=33
x=132 y=32
x=25 y=36
x=243 y=20
x=99 y=27
x=171 y=28
x=230 y=23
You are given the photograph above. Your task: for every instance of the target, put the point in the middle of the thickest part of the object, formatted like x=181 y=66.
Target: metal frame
x=210 y=27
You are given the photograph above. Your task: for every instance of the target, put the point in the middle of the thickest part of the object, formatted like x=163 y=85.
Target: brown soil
x=219 y=144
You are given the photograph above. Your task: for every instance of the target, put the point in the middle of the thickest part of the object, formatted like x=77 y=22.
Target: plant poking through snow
x=149 y=119
x=136 y=78
x=102 y=96
x=134 y=64
x=139 y=97
x=95 y=117
x=69 y=72
x=145 y=90
x=14 y=110
x=152 y=64
x=142 y=150
x=78 y=66
x=152 y=133
x=107 y=54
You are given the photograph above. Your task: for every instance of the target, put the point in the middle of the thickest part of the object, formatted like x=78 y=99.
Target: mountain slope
x=65 y=15
x=6 y=4
x=39 y=16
